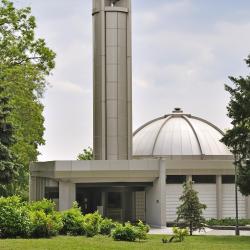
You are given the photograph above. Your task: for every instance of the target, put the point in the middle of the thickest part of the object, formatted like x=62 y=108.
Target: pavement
x=207 y=231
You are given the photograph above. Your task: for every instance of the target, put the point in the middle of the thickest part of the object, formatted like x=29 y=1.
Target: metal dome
x=179 y=136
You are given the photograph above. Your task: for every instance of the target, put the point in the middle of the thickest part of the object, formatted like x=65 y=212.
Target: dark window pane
x=175 y=179
x=51 y=193
x=204 y=178
x=114 y=200
x=228 y=179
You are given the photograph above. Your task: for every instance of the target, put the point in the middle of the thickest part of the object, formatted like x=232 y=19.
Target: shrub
x=166 y=240
x=45 y=225
x=14 y=218
x=48 y=206
x=92 y=224
x=106 y=226
x=125 y=233
x=141 y=230
x=73 y=221
x=227 y=222
x=179 y=233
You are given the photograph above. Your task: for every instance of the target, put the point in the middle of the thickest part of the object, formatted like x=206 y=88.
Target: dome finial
x=177 y=110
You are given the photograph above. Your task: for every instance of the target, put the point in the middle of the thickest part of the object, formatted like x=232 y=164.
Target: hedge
x=40 y=220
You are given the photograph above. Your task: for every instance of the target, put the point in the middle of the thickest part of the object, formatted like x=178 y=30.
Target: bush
x=47 y=206
x=45 y=225
x=125 y=233
x=227 y=222
x=14 y=218
x=73 y=221
x=106 y=226
x=179 y=233
x=92 y=224
x=141 y=230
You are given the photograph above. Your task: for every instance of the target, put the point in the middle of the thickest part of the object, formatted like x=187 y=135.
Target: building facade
x=144 y=182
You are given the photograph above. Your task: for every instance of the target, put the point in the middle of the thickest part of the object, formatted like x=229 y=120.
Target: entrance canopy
x=98 y=171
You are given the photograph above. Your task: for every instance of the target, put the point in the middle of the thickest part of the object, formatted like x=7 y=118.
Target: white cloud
x=180 y=58
x=69 y=87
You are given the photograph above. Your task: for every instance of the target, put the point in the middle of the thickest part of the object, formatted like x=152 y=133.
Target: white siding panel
x=207 y=195
x=228 y=202
x=173 y=193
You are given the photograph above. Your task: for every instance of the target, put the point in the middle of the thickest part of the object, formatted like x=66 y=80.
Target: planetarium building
x=167 y=151
x=140 y=175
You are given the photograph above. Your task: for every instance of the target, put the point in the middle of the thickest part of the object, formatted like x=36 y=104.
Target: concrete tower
x=112 y=79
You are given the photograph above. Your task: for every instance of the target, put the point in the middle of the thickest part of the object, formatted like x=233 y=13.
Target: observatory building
x=140 y=175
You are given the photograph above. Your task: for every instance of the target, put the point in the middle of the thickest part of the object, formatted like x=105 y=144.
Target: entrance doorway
x=116 y=201
x=88 y=199
x=114 y=206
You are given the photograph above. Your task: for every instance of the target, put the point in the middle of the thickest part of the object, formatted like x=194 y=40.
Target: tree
x=25 y=62
x=236 y=137
x=190 y=210
x=8 y=165
x=86 y=155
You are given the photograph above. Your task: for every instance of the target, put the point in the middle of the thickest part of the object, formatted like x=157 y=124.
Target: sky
x=183 y=53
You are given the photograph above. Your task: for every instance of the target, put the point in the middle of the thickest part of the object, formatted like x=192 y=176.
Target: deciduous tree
x=86 y=155
x=25 y=62
x=236 y=137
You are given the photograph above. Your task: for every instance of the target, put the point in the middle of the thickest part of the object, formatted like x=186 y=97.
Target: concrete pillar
x=112 y=80
x=219 y=196
x=248 y=207
x=189 y=177
x=32 y=188
x=67 y=195
x=156 y=199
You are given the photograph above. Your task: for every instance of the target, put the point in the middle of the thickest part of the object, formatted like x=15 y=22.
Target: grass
x=153 y=242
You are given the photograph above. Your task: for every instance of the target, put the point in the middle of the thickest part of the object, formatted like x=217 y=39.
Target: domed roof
x=179 y=135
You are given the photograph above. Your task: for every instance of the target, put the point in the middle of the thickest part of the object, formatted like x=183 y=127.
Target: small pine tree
x=190 y=210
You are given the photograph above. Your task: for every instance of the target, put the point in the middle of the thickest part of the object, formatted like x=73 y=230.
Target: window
x=51 y=193
x=175 y=179
x=227 y=179
x=204 y=179
x=114 y=200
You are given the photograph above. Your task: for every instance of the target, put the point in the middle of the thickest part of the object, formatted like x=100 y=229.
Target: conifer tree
x=190 y=210
x=8 y=165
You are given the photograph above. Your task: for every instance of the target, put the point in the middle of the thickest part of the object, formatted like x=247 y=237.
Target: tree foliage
x=8 y=165
x=190 y=211
x=236 y=138
x=87 y=154
x=25 y=62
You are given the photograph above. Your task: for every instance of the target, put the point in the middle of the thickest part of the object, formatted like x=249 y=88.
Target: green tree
x=190 y=211
x=87 y=155
x=25 y=63
x=236 y=137
x=8 y=165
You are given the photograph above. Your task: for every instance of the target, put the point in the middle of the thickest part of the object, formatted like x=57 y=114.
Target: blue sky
x=183 y=53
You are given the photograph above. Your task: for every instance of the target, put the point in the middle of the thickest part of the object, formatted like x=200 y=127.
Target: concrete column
x=67 y=195
x=219 y=196
x=112 y=80
x=248 y=207
x=156 y=199
x=32 y=188
x=189 y=177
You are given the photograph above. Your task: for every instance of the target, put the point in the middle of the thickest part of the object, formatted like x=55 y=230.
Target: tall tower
x=112 y=79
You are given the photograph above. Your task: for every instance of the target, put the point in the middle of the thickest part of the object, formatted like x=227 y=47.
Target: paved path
x=208 y=231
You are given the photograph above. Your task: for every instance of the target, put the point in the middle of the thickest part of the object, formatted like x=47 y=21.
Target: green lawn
x=154 y=242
